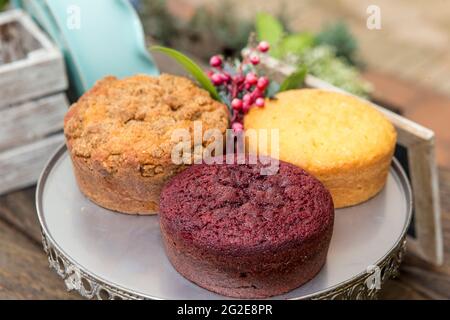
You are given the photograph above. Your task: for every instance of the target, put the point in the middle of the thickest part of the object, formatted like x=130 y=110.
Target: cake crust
x=343 y=141
x=237 y=233
x=119 y=137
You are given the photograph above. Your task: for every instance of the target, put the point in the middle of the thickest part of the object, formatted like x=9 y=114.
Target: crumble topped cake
x=119 y=137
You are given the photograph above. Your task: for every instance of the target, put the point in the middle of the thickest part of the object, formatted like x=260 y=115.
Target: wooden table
x=24 y=271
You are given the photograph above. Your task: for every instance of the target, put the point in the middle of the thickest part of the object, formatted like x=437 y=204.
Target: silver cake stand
x=105 y=255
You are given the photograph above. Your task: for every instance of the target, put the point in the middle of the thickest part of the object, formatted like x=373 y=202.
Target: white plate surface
x=126 y=251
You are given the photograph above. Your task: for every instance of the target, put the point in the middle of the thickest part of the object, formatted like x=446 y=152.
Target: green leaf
x=272 y=89
x=3 y=4
x=295 y=80
x=269 y=29
x=339 y=37
x=296 y=43
x=191 y=67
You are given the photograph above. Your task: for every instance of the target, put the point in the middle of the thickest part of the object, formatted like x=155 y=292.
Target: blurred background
x=404 y=66
x=395 y=53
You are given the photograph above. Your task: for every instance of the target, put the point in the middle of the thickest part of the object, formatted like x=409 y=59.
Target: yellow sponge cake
x=343 y=141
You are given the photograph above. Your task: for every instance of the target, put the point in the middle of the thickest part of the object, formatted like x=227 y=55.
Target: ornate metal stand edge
x=364 y=286
x=367 y=286
x=76 y=279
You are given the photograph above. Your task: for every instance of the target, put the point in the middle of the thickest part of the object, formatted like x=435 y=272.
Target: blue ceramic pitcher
x=98 y=38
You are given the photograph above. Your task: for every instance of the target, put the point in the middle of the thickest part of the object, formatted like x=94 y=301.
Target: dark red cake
x=238 y=233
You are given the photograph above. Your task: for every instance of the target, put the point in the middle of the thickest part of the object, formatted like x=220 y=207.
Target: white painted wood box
x=32 y=100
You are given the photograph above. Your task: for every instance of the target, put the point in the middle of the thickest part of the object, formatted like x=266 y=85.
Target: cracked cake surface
x=236 y=232
x=119 y=135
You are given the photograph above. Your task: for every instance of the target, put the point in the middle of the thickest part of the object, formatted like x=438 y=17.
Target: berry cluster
x=239 y=85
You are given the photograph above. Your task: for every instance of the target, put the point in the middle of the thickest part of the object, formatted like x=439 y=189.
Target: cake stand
x=106 y=255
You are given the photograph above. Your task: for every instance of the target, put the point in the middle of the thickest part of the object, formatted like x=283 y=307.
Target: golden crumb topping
x=133 y=119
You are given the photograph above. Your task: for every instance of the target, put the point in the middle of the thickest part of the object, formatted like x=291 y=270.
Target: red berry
x=237 y=127
x=254 y=59
x=215 y=61
x=246 y=107
x=238 y=79
x=251 y=78
x=263 y=46
x=260 y=102
x=216 y=79
x=256 y=94
x=263 y=82
x=237 y=104
x=226 y=77
x=247 y=98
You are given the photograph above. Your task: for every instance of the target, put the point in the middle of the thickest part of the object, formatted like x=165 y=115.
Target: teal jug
x=97 y=37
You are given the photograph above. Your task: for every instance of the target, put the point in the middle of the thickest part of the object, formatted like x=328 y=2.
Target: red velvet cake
x=241 y=234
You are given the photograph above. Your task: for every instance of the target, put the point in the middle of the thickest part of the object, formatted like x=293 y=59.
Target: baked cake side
x=343 y=141
x=119 y=137
x=238 y=233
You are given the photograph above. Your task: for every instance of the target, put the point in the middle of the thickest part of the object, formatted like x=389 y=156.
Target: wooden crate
x=31 y=120
x=21 y=167
x=30 y=65
x=32 y=100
